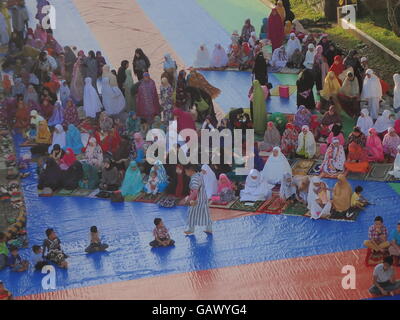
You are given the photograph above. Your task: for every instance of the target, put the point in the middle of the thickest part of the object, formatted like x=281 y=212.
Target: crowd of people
x=87 y=123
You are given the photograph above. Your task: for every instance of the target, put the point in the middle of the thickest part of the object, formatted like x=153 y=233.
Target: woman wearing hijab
x=181 y=96
x=51 y=176
x=276 y=31
x=68 y=159
x=349 y=95
x=331 y=87
x=69 y=62
x=275 y=167
x=357 y=160
x=101 y=62
x=319 y=201
x=166 y=99
x=289 y=140
x=43 y=134
x=302 y=117
x=336 y=133
x=390 y=142
x=372 y=92
x=396 y=165
x=210 y=181
x=306 y=146
x=342 y=192
x=330 y=117
x=93 y=153
x=334 y=158
x=226 y=189
x=202 y=58
x=147 y=103
x=140 y=64
x=255 y=188
x=247 y=29
x=184 y=120
x=260 y=69
x=219 y=57
x=179 y=183
x=90 y=179
x=31 y=95
x=272 y=138
x=91 y=101
x=110 y=178
x=70 y=114
x=59 y=138
x=337 y=67
x=374 y=147
x=259 y=108
x=364 y=121
x=170 y=68
x=73 y=139
x=22 y=116
x=320 y=68
x=279 y=59
x=309 y=57
x=383 y=123
x=90 y=67
x=57 y=153
x=57 y=116
x=281 y=10
x=305 y=95
x=113 y=99
x=65 y=92
x=128 y=87
x=132 y=123
x=72 y=176
x=396 y=95
x=121 y=75
x=353 y=61
x=133 y=182
x=292 y=44
x=162 y=177
x=77 y=78
x=288 y=190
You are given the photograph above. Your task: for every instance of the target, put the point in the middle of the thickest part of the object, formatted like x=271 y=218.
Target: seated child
x=15 y=261
x=288 y=188
x=151 y=186
x=52 y=249
x=161 y=235
x=357 y=200
x=95 y=242
x=37 y=258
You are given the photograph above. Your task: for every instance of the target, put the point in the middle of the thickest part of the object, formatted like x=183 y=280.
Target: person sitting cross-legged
x=384 y=279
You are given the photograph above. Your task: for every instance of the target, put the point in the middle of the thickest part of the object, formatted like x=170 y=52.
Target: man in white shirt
x=384 y=278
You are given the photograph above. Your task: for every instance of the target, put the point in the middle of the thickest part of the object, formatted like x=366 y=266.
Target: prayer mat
x=373 y=258
x=315 y=169
x=275 y=91
x=295 y=209
x=275 y=205
x=241 y=206
x=149 y=198
x=379 y=172
x=63 y=192
x=333 y=176
x=287 y=70
x=292 y=162
x=222 y=214
x=81 y=192
x=131 y=198
x=395 y=187
x=221 y=205
x=302 y=166
x=350 y=215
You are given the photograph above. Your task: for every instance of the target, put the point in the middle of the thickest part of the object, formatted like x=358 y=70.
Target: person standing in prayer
x=147 y=103
x=166 y=100
x=199 y=212
x=77 y=78
x=309 y=57
x=337 y=67
x=247 y=29
x=260 y=69
x=91 y=101
x=372 y=93
x=396 y=165
x=130 y=95
x=305 y=84
x=113 y=99
x=320 y=68
x=91 y=68
x=306 y=146
x=210 y=181
x=170 y=68
x=140 y=64
x=259 y=108
x=121 y=75
x=276 y=31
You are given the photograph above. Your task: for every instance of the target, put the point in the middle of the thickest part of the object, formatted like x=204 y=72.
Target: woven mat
x=379 y=172
x=241 y=206
x=333 y=176
x=149 y=198
x=350 y=216
x=302 y=166
x=295 y=209
x=275 y=91
x=222 y=205
x=315 y=170
x=275 y=205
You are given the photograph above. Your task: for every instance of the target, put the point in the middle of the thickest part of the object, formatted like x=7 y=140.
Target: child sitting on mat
x=95 y=242
x=161 y=235
x=15 y=261
x=357 y=200
x=37 y=259
x=151 y=186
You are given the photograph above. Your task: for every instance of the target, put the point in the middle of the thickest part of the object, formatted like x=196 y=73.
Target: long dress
x=259 y=108
x=91 y=100
x=275 y=168
x=133 y=183
x=77 y=81
x=276 y=31
x=305 y=95
x=199 y=214
x=147 y=103
x=128 y=85
x=113 y=99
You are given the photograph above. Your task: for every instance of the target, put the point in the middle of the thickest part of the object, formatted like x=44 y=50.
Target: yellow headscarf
x=288 y=27
x=43 y=134
x=331 y=86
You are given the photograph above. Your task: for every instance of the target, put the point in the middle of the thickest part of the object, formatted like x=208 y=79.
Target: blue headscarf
x=58 y=115
x=161 y=173
x=169 y=63
x=133 y=183
x=74 y=139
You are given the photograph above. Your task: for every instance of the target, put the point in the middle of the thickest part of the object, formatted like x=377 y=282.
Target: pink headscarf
x=139 y=141
x=374 y=146
x=224 y=183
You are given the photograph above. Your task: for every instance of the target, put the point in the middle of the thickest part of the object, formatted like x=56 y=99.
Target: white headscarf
x=287 y=188
x=111 y=77
x=309 y=60
x=91 y=100
x=310 y=145
x=383 y=122
x=292 y=45
x=372 y=87
x=396 y=165
x=396 y=92
x=113 y=99
x=276 y=167
x=279 y=57
x=219 y=57
x=59 y=137
x=252 y=42
x=210 y=181
x=312 y=195
x=202 y=58
x=365 y=123
x=65 y=92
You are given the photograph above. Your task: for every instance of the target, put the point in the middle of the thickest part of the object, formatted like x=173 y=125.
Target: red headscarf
x=314 y=122
x=397 y=126
x=69 y=157
x=337 y=66
x=224 y=183
x=184 y=119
